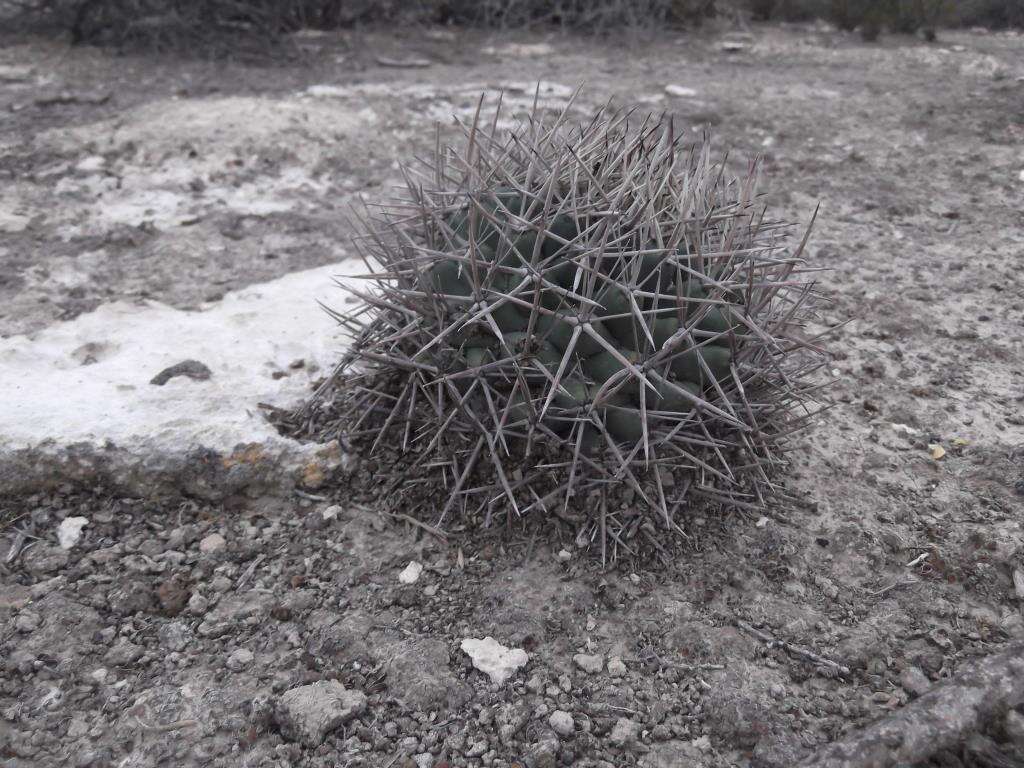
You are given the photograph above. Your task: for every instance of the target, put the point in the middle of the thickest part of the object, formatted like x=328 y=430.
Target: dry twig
x=796 y=650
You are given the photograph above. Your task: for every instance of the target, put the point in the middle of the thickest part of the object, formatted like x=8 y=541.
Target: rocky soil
x=290 y=630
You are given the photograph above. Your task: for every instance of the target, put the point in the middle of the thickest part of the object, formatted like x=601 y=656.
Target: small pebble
x=27 y=621
x=625 y=732
x=239 y=659
x=561 y=722
x=212 y=543
x=411 y=574
x=592 y=664
x=197 y=604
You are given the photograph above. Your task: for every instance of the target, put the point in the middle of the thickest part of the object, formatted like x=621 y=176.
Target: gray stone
x=1014 y=728
x=43 y=588
x=197 y=604
x=124 y=653
x=561 y=722
x=135 y=596
x=212 y=543
x=44 y=559
x=213 y=629
x=19 y=661
x=592 y=664
x=625 y=732
x=193 y=369
x=616 y=667
x=239 y=659
x=543 y=753
x=174 y=636
x=308 y=713
x=510 y=719
x=27 y=621
x=419 y=675
x=914 y=681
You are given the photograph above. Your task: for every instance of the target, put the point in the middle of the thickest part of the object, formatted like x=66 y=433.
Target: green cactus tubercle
x=508 y=253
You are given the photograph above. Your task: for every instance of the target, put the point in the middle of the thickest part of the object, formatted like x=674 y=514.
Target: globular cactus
x=562 y=311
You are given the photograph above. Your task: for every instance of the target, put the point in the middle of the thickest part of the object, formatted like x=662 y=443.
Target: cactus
x=566 y=311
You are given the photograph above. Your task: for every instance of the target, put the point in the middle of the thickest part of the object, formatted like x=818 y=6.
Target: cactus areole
x=565 y=311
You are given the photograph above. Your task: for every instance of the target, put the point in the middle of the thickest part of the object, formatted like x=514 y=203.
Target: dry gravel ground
x=168 y=634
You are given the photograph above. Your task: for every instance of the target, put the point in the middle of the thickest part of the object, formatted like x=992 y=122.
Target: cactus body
x=564 y=308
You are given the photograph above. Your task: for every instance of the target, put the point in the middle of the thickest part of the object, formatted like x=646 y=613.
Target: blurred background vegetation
x=212 y=24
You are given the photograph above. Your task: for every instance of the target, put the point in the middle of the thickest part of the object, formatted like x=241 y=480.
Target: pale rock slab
x=308 y=713
x=494 y=659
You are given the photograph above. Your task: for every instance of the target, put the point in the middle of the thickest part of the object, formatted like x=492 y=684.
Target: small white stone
x=903 y=429
x=212 y=543
x=564 y=556
x=681 y=91
x=70 y=531
x=616 y=667
x=331 y=512
x=592 y=664
x=411 y=574
x=561 y=722
x=99 y=676
x=494 y=659
x=91 y=163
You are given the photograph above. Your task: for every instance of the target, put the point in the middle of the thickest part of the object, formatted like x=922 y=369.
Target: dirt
x=177 y=180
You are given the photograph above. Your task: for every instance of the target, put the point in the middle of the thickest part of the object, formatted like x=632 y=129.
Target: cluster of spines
x=602 y=295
